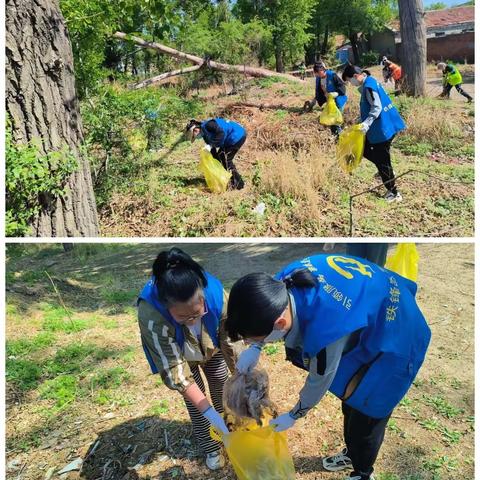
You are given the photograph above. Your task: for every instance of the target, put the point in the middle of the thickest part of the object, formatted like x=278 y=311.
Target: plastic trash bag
x=331 y=115
x=404 y=261
x=351 y=143
x=258 y=452
x=216 y=176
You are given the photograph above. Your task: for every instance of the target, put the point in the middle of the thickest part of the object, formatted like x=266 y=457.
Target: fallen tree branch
x=163 y=76
x=222 y=67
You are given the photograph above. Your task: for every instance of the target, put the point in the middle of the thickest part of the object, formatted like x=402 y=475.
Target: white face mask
x=354 y=82
x=275 y=335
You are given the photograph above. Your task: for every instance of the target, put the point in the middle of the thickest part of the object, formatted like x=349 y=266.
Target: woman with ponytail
x=353 y=326
x=181 y=314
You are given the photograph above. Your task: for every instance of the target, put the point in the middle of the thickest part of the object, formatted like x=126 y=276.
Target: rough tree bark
x=42 y=104
x=414 y=47
x=223 y=67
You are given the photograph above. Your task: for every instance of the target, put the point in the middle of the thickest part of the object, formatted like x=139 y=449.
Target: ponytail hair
x=177 y=276
x=257 y=300
x=367 y=73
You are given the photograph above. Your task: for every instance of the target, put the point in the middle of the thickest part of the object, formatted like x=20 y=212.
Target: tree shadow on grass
x=155 y=446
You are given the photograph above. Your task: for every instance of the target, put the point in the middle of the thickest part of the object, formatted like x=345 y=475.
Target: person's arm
x=229 y=350
x=340 y=86
x=217 y=134
x=319 y=94
x=321 y=374
x=158 y=339
x=373 y=98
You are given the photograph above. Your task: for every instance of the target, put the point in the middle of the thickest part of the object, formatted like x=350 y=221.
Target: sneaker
x=337 y=462
x=393 y=197
x=215 y=460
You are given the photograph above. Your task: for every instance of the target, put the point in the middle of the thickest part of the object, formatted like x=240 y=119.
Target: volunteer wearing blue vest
x=452 y=78
x=181 y=314
x=353 y=326
x=327 y=82
x=226 y=138
x=381 y=122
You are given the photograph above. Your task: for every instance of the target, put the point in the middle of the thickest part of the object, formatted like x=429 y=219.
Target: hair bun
x=288 y=281
x=172 y=264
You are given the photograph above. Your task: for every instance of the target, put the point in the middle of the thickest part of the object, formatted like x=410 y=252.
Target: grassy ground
x=289 y=164
x=76 y=375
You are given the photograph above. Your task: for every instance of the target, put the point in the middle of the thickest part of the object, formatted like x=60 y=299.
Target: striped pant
x=216 y=373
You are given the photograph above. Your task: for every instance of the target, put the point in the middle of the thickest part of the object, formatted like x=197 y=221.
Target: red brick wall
x=452 y=47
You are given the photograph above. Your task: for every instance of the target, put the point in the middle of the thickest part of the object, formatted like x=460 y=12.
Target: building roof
x=443 y=18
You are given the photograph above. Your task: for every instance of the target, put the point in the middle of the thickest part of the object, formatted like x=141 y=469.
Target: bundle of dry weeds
x=246 y=396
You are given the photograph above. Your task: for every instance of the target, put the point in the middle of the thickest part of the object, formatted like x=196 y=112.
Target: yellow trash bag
x=351 y=143
x=258 y=453
x=404 y=261
x=331 y=115
x=216 y=176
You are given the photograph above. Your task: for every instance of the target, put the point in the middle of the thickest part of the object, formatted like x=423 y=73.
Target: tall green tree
x=288 y=21
x=352 y=17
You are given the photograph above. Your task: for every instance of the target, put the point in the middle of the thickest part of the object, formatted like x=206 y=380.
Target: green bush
x=121 y=126
x=29 y=174
x=369 y=59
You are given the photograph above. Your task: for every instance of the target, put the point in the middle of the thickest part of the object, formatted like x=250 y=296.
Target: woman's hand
x=248 y=359
x=216 y=420
x=283 y=422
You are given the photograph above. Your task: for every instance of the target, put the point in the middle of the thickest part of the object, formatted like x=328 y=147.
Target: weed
x=430 y=424
x=24 y=374
x=442 y=407
x=62 y=389
x=111 y=378
x=25 y=346
x=450 y=436
x=57 y=319
x=271 y=349
x=439 y=463
x=159 y=407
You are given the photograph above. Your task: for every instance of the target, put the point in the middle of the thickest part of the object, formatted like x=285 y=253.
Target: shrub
x=30 y=174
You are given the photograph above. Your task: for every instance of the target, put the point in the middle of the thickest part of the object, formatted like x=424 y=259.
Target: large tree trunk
x=279 y=67
x=42 y=104
x=223 y=67
x=354 y=44
x=414 y=41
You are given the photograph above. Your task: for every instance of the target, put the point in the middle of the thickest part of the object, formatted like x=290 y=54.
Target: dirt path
x=430 y=436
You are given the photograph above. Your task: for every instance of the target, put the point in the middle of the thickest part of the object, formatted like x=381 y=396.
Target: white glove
x=334 y=94
x=249 y=358
x=364 y=127
x=216 y=420
x=283 y=422
x=208 y=147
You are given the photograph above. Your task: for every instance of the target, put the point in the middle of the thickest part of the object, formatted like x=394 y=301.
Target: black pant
x=225 y=156
x=363 y=437
x=379 y=154
x=460 y=90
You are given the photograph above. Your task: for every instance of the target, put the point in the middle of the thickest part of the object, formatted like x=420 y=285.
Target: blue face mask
x=275 y=335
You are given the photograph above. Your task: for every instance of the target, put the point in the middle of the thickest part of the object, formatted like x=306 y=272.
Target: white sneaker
x=215 y=460
x=393 y=197
x=337 y=462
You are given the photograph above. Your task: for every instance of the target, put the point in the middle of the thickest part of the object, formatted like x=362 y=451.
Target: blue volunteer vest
x=352 y=295
x=213 y=298
x=233 y=132
x=389 y=122
x=341 y=100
